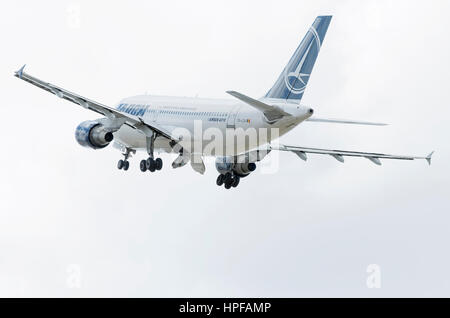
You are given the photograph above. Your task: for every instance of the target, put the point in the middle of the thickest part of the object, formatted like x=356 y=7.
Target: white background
x=311 y=229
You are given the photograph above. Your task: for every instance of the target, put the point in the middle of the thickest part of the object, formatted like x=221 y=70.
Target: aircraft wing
x=343 y=121
x=116 y=116
x=340 y=154
x=271 y=112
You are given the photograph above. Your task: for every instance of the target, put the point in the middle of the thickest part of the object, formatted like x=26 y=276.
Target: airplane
x=166 y=124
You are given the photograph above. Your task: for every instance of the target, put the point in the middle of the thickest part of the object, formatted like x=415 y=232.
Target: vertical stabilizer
x=293 y=80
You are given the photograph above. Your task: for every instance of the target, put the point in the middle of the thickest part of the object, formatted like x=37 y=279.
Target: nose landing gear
x=125 y=164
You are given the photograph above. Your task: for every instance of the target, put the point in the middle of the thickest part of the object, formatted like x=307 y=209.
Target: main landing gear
x=228 y=180
x=151 y=164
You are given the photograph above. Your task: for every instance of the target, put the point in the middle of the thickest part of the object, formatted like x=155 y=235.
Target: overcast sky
x=72 y=225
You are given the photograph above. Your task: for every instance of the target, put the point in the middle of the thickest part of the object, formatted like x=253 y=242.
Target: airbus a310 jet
x=168 y=124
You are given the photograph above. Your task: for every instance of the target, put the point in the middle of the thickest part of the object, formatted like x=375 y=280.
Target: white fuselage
x=200 y=120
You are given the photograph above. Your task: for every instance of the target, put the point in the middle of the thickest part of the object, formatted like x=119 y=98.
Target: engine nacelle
x=93 y=135
x=226 y=164
x=244 y=169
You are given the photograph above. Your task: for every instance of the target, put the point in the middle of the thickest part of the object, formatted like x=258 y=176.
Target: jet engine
x=244 y=169
x=231 y=172
x=92 y=134
x=225 y=165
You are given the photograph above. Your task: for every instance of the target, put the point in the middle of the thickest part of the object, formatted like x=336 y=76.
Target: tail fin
x=293 y=80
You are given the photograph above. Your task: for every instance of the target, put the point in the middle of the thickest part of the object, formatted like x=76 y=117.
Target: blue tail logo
x=293 y=80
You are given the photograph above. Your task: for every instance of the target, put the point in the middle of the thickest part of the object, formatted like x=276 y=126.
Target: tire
x=228 y=184
x=120 y=164
x=219 y=180
x=227 y=177
x=126 y=165
x=143 y=165
x=159 y=163
x=151 y=165
x=236 y=180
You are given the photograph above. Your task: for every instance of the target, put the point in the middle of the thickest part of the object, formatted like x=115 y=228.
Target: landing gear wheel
x=228 y=184
x=126 y=165
x=151 y=164
x=236 y=180
x=159 y=163
x=120 y=164
x=143 y=165
x=219 y=180
x=227 y=177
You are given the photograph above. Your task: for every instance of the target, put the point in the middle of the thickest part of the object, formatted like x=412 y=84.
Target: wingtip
x=20 y=71
x=428 y=158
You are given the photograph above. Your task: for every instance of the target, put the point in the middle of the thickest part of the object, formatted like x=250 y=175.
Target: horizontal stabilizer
x=272 y=113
